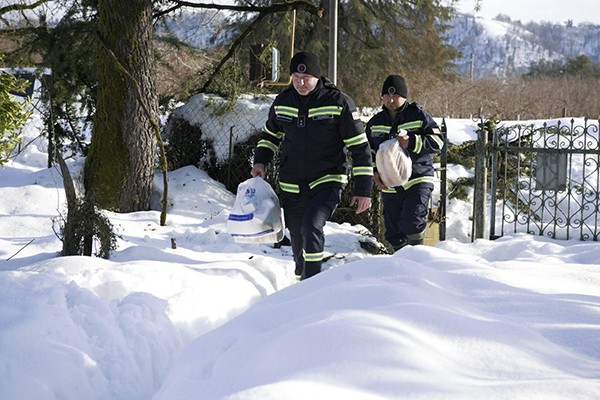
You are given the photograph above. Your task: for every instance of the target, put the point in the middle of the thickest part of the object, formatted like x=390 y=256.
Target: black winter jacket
x=311 y=133
x=425 y=138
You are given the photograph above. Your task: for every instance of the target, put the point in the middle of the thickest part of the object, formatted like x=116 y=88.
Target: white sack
x=393 y=163
x=256 y=213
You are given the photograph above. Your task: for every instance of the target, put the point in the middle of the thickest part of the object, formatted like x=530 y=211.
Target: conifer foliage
x=375 y=39
x=13 y=114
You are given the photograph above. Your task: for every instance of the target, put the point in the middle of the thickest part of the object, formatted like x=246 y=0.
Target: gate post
x=480 y=183
x=443 y=182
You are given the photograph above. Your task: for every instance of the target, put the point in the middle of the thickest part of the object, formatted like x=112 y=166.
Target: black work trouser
x=305 y=217
x=405 y=212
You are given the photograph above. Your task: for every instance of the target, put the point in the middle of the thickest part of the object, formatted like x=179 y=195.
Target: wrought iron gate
x=545 y=180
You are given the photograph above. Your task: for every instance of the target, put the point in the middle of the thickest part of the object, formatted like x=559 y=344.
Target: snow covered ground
x=515 y=318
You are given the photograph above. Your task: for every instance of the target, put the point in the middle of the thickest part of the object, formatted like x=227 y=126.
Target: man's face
x=304 y=83
x=393 y=101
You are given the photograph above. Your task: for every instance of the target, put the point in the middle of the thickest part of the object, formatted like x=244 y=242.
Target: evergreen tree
x=579 y=67
x=13 y=114
x=582 y=67
x=375 y=39
x=67 y=49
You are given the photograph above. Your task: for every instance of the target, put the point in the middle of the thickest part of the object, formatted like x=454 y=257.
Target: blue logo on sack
x=241 y=217
x=250 y=193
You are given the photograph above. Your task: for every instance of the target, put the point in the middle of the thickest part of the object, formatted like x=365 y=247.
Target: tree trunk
x=120 y=167
x=70 y=240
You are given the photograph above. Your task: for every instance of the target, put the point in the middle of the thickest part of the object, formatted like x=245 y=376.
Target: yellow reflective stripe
x=420 y=179
x=289 y=187
x=418 y=144
x=438 y=140
x=381 y=129
x=411 y=125
x=356 y=140
x=358 y=171
x=341 y=178
x=285 y=110
x=326 y=110
x=277 y=135
x=411 y=183
x=312 y=257
x=329 y=178
x=267 y=145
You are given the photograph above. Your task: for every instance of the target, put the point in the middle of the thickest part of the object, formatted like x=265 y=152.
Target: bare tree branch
x=263 y=12
x=273 y=8
x=28 y=243
x=232 y=49
x=21 y=7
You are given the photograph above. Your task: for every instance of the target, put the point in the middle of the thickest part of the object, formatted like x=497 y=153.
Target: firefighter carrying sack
x=393 y=163
x=256 y=213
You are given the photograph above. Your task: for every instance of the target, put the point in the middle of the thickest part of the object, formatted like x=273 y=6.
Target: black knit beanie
x=305 y=63
x=395 y=84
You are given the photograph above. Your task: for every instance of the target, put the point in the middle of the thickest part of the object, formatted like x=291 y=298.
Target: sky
x=515 y=318
x=537 y=10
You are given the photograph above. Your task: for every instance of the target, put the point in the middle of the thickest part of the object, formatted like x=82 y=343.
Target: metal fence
x=544 y=179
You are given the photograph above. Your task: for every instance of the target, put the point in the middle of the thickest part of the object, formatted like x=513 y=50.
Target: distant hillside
x=503 y=48
x=490 y=47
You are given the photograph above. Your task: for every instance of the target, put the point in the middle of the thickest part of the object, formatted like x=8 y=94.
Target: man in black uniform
x=311 y=122
x=405 y=207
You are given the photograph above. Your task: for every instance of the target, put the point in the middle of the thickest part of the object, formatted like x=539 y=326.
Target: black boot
x=400 y=244
x=415 y=238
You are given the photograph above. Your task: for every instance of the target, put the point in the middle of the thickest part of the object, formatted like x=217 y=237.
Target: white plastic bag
x=393 y=163
x=256 y=213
